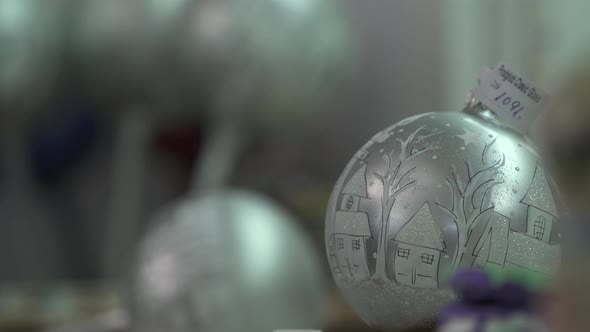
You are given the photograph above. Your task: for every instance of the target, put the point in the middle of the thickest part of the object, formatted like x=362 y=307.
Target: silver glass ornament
x=258 y=63
x=430 y=195
x=112 y=44
x=226 y=261
x=279 y=54
x=127 y=50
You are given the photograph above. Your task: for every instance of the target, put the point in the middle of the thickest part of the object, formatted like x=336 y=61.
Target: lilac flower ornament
x=483 y=307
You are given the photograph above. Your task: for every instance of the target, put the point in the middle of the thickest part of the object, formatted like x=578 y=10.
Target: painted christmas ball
x=431 y=195
x=226 y=261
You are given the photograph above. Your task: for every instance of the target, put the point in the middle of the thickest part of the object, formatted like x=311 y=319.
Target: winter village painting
x=389 y=223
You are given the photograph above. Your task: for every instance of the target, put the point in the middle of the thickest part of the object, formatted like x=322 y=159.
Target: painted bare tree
x=470 y=200
x=394 y=182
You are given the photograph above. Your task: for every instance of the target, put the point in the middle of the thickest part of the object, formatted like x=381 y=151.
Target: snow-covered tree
x=397 y=179
x=470 y=198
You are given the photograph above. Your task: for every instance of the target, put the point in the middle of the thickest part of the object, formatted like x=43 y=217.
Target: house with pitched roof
x=351 y=229
x=542 y=231
x=541 y=211
x=418 y=248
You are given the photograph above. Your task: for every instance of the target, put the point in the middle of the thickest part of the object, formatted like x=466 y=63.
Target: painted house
x=351 y=229
x=418 y=249
x=541 y=210
x=536 y=249
x=533 y=250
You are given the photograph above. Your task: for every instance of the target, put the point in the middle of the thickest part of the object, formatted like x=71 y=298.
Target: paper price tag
x=515 y=99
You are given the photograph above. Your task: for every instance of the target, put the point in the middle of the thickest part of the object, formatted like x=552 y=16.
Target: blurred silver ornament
x=259 y=63
x=30 y=43
x=228 y=261
x=30 y=46
x=127 y=48
x=278 y=54
x=111 y=43
x=428 y=196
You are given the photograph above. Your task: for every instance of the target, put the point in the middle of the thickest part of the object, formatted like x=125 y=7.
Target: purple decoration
x=512 y=295
x=472 y=286
x=478 y=299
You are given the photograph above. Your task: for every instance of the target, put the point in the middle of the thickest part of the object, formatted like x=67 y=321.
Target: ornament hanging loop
x=473 y=105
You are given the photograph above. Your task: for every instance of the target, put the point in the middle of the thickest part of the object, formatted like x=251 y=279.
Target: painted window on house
x=349 y=203
x=403 y=253
x=539 y=227
x=356 y=245
x=427 y=258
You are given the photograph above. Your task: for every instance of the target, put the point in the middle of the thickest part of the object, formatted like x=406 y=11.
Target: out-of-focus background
x=120 y=120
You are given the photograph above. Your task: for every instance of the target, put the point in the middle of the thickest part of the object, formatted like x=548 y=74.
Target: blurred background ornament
x=264 y=274
x=31 y=45
x=260 y=64
x=226 y=261
x=281 y=52
x=31 y=42
x=432 y=194
x=124 y=51
x=110 y=45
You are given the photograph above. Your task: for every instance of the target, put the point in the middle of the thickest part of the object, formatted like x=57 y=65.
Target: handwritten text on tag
x=511 y=96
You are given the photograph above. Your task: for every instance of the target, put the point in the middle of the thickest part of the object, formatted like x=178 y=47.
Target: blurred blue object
x=472 y=286
x=63 y=141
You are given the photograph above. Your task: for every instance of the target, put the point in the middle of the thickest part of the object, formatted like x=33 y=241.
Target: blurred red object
x=181 y=143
